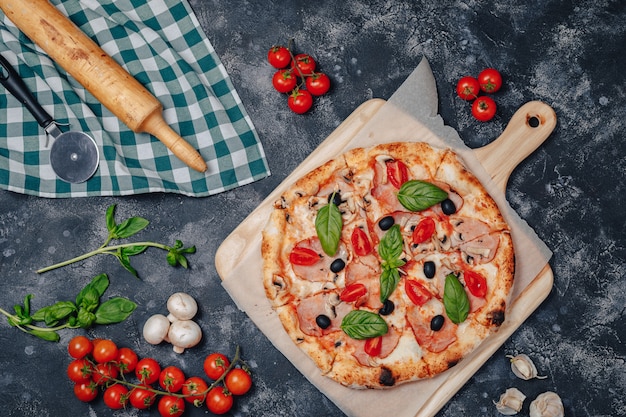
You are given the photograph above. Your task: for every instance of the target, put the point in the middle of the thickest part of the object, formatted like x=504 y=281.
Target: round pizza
x=388 y=264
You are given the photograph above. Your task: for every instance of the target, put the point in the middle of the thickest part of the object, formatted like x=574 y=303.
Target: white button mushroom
x=155 y=329
x=184 y=334
x=181 y=306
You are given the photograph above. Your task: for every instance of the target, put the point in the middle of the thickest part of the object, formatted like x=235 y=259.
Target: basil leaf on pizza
x=390 y=249
x=328 y=225
x=389 y=279
x=416 y=195
x=363 y=324
x=390 y=246
x=455 y=299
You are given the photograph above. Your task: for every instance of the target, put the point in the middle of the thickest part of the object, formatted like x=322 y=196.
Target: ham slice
x=419 y=319
x=319 y=271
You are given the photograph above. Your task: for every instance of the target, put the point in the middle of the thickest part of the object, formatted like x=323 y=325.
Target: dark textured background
x=570 y=54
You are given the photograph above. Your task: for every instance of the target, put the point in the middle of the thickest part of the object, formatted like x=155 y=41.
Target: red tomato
x=147 y=370
x=116 y=396
x=279 y=56
x=171 y=379
x=80 y=370
x=219 y=401
x=416 y=292
x=468 y=88
x=195 y=389
x=305 y=63
x=475 y=283
x=238 y=381
x=318 y=83
x=170 y=406
x=141 y=398
x=284 y=80
x=302 y=256
x=490 y=80
x=484 y=108
x=127 y=360
x=374 y=346
x=104 y=350
x=104 y=372
x=79 y=347
x=300 y=101
x=360 y=242
x=86 y=391
x=215 y=365
x=353 y=292
x=423 y=231
x=397 y=173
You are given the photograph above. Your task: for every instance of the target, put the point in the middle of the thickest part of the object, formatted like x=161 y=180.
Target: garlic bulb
x=510 y=402
x=548 y=404
x=523 y=367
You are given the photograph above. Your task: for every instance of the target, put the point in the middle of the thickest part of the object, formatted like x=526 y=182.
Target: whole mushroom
x=184 y=334
x=156 y=328
x=181 y=306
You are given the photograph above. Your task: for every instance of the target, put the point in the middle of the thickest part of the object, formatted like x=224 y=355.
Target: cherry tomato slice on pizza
x=374 y=346
x=353 y=292
x=417 y=293
x=475 y=283
x=423 y=231
x=360 y=242
x=303 y=256
x=397 y=173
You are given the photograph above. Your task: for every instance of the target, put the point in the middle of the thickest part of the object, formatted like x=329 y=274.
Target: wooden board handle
x=95 y=70
x=529 y=127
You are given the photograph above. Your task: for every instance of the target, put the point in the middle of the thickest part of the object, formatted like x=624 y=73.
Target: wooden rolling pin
x=95 y=70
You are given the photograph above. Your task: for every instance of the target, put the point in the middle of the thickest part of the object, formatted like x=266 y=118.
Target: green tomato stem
x=27 y=327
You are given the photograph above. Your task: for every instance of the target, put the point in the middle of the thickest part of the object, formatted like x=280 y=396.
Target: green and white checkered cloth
x=161 y=44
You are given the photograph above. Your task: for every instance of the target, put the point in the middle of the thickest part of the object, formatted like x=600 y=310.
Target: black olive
x=387 y=308
x=448 y=207
x=436 y=323
x=386 y=222
x=337 y=265
x=323 y=321
x=429 y=269
x=336 y=198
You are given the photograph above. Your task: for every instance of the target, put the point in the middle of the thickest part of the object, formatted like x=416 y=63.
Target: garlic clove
x=510 y=402
x=548 y=404
x=523 y=367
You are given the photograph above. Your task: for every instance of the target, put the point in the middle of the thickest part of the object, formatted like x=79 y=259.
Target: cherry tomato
x=397 y=173
x=80 y=370
x=147 y=370
x=305 y=63
x=468 y=88
x=423 y=231
x=278 y=57
x=215 y=365
x=219 y=401
x=416 y=292
x=172 y=379
x=79 y=347
x=303 y=256
x=353 y=292
x=360 y=242
x=141 y=398
x=318 y=83
x=194 y=390
x=490 y=80
x=170 y=406
x=475 y=283
x=300 y=101
x=86 y=391
x=284 y=80
x=104 y=350
x=238 y=381
x=104 y=372
x=484 y=108
x=373 y=346
x=127 y=360
x=116 y=396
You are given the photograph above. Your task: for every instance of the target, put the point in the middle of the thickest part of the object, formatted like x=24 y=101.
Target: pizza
x=388 y=264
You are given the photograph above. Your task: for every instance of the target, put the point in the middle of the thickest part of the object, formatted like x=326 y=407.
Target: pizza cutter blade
x=74 y=156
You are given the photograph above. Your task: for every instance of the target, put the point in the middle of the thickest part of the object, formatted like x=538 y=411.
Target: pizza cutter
x=74 y=156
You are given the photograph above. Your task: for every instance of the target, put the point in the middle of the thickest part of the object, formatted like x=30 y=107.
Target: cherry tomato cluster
x=468 y=88
x=297 y=77
x=125 y=379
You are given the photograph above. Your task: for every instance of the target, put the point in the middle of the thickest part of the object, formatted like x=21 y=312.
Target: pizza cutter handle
x=11 y=80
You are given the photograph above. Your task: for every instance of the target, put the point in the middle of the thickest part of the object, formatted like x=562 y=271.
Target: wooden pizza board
x=530 y=126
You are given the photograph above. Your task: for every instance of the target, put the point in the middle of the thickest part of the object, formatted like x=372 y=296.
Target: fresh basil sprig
x=83 y=313
x=455 y=299
x=416 y=195
x=328 y=225
x=390 y=249
x=363 y=324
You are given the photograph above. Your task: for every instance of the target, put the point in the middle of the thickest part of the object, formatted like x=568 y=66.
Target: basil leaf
x=85 y=318
x=390 y=246
x=58 y=311
x=125 y=262
x=363 y=324
x=99 y=283
x=49 y=336
x=114 y=310
x=389 y=279
x=129 y=227
x=455 y=299
x=328 y=224
x=416 y=195
x=110 y=220
x=132 y=250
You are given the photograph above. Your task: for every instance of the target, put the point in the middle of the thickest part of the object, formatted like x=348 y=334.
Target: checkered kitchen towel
x=161 y=44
